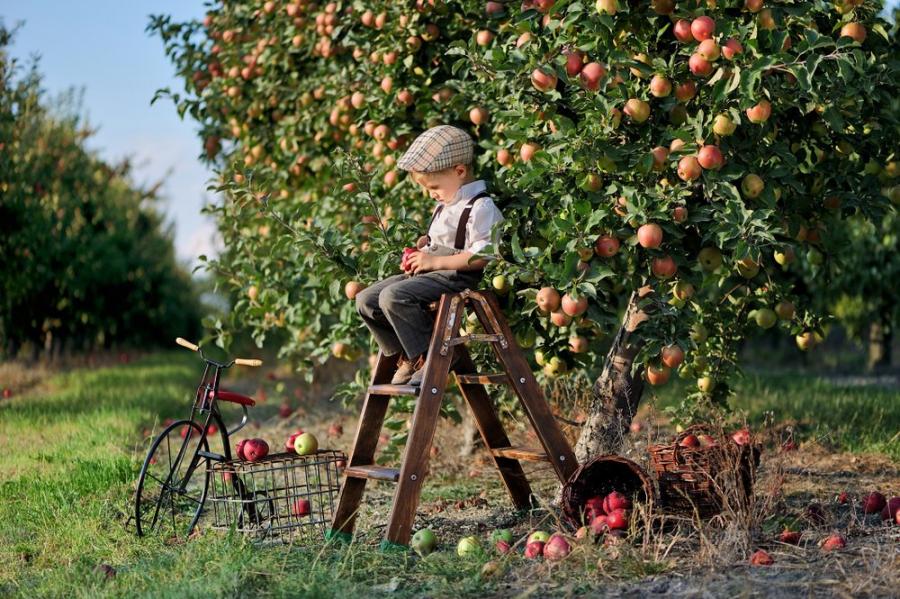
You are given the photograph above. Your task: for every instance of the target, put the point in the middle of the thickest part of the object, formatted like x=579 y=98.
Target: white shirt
x=482 y=218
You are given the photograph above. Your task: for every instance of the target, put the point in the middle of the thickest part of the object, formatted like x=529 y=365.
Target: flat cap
x=438 y=148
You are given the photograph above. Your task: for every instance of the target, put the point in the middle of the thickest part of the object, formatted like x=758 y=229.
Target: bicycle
x=172 y=488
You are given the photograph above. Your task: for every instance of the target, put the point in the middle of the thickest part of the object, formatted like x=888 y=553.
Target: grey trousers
x=395 y=309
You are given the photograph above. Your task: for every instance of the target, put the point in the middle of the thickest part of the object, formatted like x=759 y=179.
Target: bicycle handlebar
x=239 y=361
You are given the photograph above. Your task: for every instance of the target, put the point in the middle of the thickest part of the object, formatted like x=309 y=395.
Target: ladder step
x=499 y=378
x=373 y=472
x=491 y=338
x=393 y=390
x=520 y=453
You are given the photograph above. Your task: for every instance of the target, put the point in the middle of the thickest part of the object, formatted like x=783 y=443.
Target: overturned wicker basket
x=601 y=476
x=702 y=480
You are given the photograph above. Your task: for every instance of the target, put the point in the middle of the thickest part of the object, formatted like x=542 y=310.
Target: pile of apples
x=877 y=503
x=609 y=514
x=254 y=450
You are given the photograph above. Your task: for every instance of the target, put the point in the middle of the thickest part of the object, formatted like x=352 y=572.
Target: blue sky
x=101 y=45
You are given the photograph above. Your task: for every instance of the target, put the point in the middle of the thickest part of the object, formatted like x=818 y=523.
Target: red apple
x=300 y=508
x=760 y=113
x=672 y=356
x=873 y=503
x=690 y=441
x=557 y=548
x=616 y=501
x=700 y=66
x=844 y=498
x=593 y=507
x=528 y=150
x=239 y=449
x=543 y=79
x=854 y=30
x=289 y=444
x=660 y=157
x=660 y=87
x=574 y=62
x=534 y=549
x=761 y=558
x=790 y=537
x=685 y=91
x=638 y=110
x=591 y=74
x=335 y=430
x=889 y=512
x=834 y=542
x=650 y=236
x=709 y=50
x=599 y=525
x=741 y=437
x=702 y=28
x=689 y=168
x=710 y=157
x=574 y=307
x=664 y=267
x=731 y=48
x=560 y=319
x=502 y=547
x=682 y=31
x=548 y=299
x=658 y=376
x=606 y=246
x=7 y=393
x=256 y=449
x=285 y=410
x=617 y=520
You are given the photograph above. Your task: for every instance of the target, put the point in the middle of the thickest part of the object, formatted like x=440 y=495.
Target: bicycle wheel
x=173 y=482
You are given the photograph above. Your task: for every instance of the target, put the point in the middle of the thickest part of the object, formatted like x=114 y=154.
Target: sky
x=101 y=46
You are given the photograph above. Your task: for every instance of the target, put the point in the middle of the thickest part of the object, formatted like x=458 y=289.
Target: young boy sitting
x=395 y=309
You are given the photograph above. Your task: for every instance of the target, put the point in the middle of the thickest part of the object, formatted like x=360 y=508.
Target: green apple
x=424 y=541
x=747 y=268
x=814 y=257
x=538 y=535
x=555 y=367
x=683 y=290
x=785 y=310
x=686 y=372
x=752 y=186
x=500 y=284
x=526 y=338
x=765 y=318
x=591 y=182
x=699 y=333
x=306 y=444
x=710 y=259
x=504 y=534
x=706 y=384
x=540 y=358
x=468 y=546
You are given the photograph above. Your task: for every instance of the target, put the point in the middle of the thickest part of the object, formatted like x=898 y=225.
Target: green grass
x=847 y=418
x=70 y=457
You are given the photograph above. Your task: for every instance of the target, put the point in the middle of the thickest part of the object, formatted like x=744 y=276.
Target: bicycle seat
x=234 y=398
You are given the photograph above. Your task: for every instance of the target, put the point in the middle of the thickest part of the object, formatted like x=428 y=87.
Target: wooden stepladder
x=409 y=477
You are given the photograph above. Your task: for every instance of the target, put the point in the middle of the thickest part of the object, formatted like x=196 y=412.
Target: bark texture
x=615 y=394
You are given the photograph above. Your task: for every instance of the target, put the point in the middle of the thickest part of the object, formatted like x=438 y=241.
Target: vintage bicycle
x=174 y=480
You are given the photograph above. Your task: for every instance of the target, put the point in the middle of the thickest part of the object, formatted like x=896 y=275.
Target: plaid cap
x=438 y=148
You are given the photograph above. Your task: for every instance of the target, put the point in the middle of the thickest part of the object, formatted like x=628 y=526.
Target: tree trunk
x=880 y=340
x=615 y=394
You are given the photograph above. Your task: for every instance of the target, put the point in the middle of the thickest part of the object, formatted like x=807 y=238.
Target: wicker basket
x=260 y=498
x=600 y=476
x=701 y=480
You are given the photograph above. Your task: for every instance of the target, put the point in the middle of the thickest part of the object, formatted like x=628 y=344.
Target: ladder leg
x=526 y=387
x=365 y=442
x=494 y=435
x=424 y=422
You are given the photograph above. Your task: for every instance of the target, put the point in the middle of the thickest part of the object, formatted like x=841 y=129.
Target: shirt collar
x=468 y=191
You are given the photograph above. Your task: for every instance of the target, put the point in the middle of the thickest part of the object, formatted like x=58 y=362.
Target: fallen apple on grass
x=599 y=524
x=502 y=547
x=534 y=549
x=300 y=508
x=503 y=534
x=557 y=547
x=424 y=541
x=538 y=535
x=790 y=537
x=873 y=503
x=891 y=510
x=834 y=542
x=761 y=558
x=844 y=498
x=741 y=437
x=468 y=546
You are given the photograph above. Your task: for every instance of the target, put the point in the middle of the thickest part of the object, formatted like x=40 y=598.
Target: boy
x=395 y=309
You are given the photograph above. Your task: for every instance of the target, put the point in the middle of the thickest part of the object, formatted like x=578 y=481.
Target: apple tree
x=662 y=158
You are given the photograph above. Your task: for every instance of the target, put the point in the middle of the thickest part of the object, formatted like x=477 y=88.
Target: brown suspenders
x=463 y=220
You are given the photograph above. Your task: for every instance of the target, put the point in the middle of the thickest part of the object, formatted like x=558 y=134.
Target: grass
x=71 y=450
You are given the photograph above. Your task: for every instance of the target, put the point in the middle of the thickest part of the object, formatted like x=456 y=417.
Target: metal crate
x=261 y=498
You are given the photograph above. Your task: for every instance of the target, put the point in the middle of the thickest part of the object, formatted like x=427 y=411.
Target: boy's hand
x=421 y=262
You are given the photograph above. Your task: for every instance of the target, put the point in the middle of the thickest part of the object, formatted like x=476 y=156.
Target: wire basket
x=283 y=497
x=702 y=480
x=600 y=476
